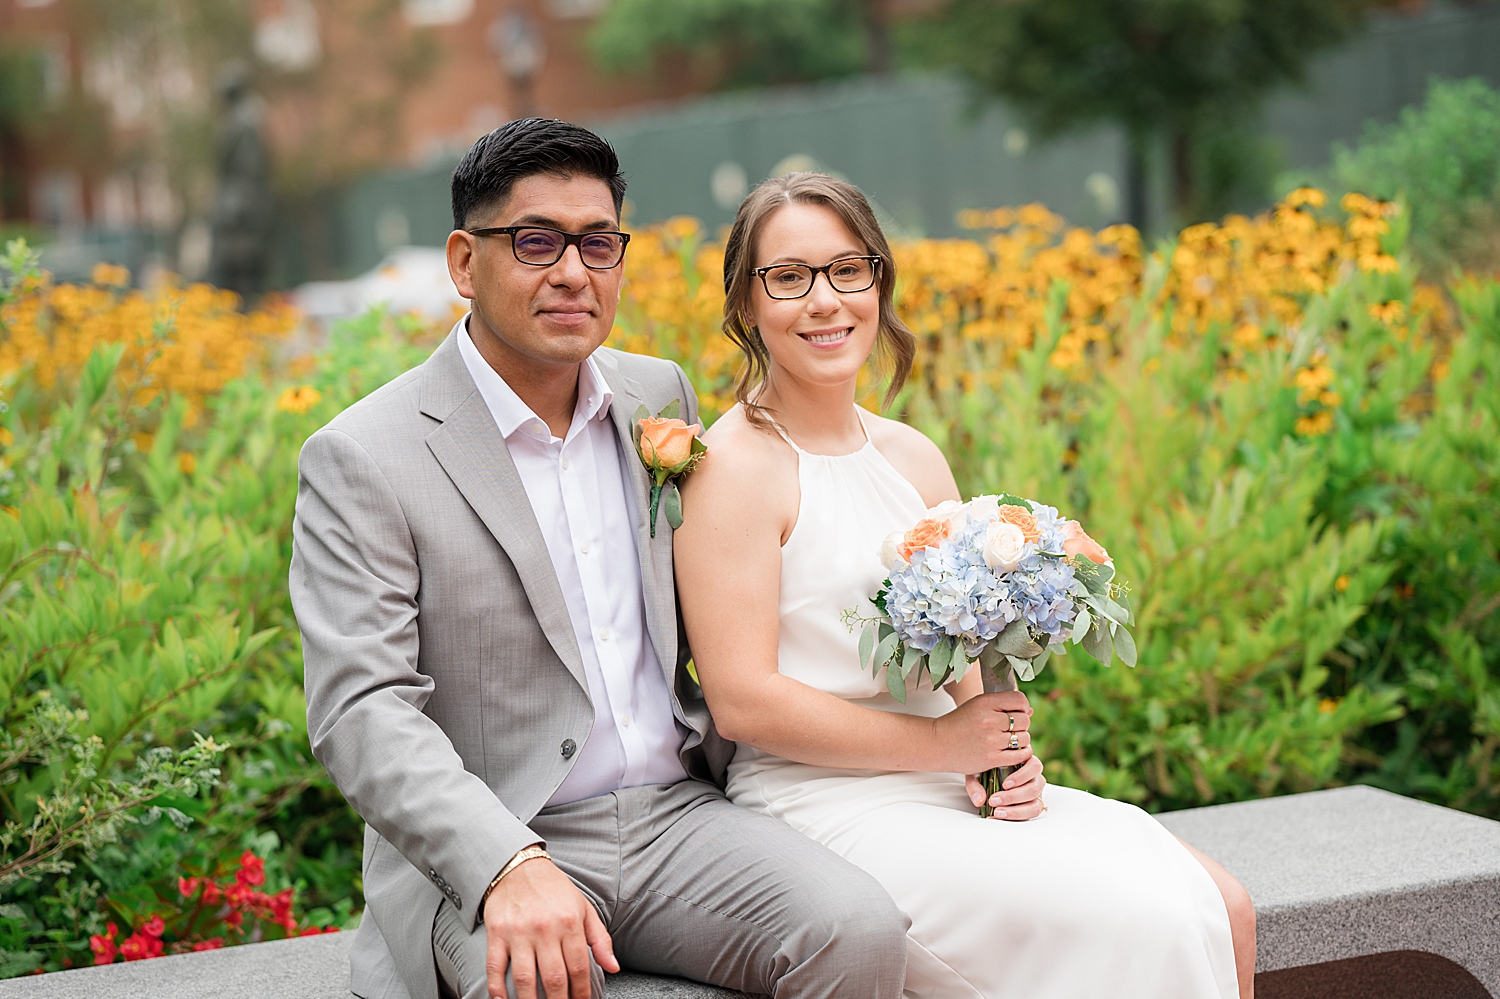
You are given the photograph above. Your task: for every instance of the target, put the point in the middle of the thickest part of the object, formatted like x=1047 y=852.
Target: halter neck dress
x=1094 y=898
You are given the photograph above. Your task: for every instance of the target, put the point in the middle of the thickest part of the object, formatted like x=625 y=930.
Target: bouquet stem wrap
x=992 y=780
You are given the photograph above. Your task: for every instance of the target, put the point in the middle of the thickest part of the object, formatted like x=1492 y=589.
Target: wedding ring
x=1015 y=742
x=1012 y=719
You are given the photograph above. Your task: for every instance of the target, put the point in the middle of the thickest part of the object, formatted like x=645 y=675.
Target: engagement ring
x=1015 y=743
x=1012 y=719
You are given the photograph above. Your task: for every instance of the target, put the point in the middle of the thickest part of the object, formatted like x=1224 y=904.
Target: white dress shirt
x=587 y=514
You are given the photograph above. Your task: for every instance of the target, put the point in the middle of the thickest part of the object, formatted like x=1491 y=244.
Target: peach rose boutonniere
x=670 y=449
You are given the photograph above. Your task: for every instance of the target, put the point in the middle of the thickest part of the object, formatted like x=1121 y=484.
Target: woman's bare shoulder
x=915 y=456
x=741 y=453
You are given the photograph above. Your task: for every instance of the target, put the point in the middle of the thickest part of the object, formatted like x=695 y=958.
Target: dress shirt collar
x=512 y=415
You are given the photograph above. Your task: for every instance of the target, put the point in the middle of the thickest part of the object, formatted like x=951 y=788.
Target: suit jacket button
x=569 y=747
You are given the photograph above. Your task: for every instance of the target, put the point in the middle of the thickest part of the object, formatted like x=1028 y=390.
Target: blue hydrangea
x=949 y=591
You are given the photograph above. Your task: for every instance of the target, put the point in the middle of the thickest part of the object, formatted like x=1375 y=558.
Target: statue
x=243 y=205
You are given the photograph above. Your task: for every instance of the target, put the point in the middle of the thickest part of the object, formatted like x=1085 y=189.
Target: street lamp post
x=521 y=50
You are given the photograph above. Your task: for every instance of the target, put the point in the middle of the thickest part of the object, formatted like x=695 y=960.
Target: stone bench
x=1358 y=893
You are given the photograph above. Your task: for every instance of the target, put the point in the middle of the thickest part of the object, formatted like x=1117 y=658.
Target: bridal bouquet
x=999 y=580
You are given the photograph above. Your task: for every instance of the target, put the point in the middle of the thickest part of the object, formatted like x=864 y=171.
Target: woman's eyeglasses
x=847 y=275
x=543 y=247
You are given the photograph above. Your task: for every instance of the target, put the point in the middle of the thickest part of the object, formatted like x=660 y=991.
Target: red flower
x=252 y=870
x=139 y=947
x=154 y=927
x=310 y=931
x=104 y=947
x=330 y=929
x=234 y=919
x=281 y=904
x=212 y=943
x=211 y=892
x=186 y=886
x=238 y=894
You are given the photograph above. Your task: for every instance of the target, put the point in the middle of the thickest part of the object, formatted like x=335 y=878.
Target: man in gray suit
x=494 y=668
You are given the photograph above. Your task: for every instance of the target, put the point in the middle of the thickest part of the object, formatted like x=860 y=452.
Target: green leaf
x=910 y=657
x=939 y=678
x=1125 y=646
x=1013 y=639
x=866 y=645
x=885 y=629
x=698 y=447
x=655 y=502
x=960 y=663
x=1040 y=662
x=940 y=656
x=1082 y=623
x=1097 y=642
x=1022 y=667
x=670 y=410
x=896 y=685
x=641 y=413
x=1096 y=577
x=672 y=504
x=1011 y=499
x=884 y=651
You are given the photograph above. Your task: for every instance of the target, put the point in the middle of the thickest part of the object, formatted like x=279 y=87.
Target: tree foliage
x=745 y=42
x=1174 y=67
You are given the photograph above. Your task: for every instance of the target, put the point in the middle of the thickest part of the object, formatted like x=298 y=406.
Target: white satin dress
x=1094 y=898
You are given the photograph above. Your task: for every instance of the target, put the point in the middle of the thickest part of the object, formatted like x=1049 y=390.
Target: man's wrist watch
x=534 y=852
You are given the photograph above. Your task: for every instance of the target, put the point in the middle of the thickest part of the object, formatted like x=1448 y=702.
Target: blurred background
x=316 y=137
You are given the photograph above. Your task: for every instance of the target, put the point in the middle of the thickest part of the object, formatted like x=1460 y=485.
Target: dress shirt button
x=603 y=634
x=584 y=547
x=538 y=427
x=565 y=463
x=569 y=747
x=624 y=721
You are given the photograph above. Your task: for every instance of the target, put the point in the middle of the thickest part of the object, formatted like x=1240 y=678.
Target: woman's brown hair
x=896 y=344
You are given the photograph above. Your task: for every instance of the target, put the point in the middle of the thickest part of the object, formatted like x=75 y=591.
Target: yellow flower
x=299 y=399
x=1307 y=196
x=186 y=463
x=6 y=437
x=1388 y=312
x=1327 y=706
x=1315 y=425
x=1341 y=584
x=110 y=274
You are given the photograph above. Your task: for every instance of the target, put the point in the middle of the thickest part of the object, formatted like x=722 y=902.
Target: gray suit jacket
x=443 y=676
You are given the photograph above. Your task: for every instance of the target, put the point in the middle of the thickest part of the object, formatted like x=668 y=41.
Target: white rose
x=951 y=511
x=984 y=508
x=890 y=557
x=1004 y=546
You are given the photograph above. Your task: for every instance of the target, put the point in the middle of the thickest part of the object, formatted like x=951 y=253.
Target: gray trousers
x=691 y=885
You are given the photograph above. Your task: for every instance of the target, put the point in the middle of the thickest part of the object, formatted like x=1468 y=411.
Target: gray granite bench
x=1358 y=893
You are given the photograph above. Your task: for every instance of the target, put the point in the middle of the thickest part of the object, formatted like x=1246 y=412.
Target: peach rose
x=666 y=443
x=927 y=534
x=1022 y=518
x=1076 y=542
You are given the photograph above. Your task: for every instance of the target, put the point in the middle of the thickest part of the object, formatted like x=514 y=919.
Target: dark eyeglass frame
x=569 y=239
x=876 y=262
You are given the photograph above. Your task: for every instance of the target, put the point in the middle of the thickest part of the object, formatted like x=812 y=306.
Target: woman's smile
x=826 y=338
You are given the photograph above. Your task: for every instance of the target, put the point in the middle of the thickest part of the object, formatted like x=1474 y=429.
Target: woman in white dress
x=1074 y=896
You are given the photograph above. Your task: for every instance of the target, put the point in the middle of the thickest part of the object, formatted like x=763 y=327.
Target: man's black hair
x=527 y=146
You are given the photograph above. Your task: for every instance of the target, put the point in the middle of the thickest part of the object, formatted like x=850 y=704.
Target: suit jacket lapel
x=469 y=447
x=655 y=554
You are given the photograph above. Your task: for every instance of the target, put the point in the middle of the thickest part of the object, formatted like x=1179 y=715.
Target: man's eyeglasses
x=543 y=247
x=847 y=275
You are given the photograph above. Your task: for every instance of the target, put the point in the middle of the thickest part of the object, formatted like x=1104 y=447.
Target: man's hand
x=537 y=923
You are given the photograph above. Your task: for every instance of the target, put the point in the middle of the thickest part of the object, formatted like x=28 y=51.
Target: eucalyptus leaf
x=671 y=410
x=1116 y=613
x=1097 y=642
x=884 y=651
x=641 y=413
x=961 y=664
x=866 y=645
x=1022 y=667
x=1040 y=662
x=1082 y=623
x=1129 y=610
x=1125 y=647
x=940 y=656
x=671 y=503
x=885 y=629
x=895 y=684
x=910 y=657
x=1013 y=639
x=1095 y=577
x=990 y=658
x=698 y=447
x=939 y=678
